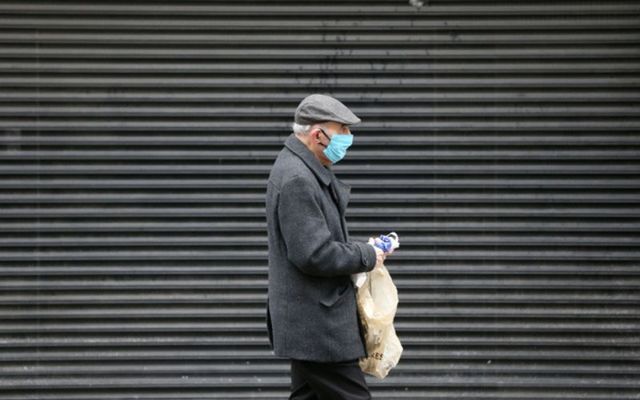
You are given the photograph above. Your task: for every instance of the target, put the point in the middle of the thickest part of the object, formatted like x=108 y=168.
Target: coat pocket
x=336 y=296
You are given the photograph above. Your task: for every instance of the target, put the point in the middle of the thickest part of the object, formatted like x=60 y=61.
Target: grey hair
x=301 y=129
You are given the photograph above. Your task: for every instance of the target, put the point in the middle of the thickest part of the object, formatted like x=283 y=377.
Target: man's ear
x=317 y=133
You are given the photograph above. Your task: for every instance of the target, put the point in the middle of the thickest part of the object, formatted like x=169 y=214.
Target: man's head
x=322 y=124
x=317 y=137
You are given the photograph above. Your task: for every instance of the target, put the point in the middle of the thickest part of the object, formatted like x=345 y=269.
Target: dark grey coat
x=311 y=310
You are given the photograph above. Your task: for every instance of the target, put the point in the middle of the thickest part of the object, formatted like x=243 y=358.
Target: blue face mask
x=338 y=145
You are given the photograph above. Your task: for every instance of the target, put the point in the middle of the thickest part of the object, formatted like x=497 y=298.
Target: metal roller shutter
x=500 y=139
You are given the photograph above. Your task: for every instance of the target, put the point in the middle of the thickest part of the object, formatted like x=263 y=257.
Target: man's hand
x=380 y=256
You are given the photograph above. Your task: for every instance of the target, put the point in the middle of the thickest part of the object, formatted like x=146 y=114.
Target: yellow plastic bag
x=377 y=303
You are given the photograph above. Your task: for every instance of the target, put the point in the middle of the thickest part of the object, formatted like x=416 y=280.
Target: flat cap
x=319 y=107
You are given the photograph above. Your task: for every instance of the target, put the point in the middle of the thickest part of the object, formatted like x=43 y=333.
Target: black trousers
x=327 y=381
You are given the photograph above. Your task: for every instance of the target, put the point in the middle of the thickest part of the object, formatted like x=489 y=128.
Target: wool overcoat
x=311 y=307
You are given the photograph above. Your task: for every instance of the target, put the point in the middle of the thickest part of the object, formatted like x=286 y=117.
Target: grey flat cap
x=319 y=107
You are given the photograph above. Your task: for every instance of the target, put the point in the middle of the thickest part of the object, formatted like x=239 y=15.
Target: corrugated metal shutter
x=501 y=140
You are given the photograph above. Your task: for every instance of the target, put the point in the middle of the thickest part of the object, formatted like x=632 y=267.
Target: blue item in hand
x=384 y=243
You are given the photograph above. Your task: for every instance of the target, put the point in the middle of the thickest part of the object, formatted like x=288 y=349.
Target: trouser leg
x=329 y=381
x=300 y=388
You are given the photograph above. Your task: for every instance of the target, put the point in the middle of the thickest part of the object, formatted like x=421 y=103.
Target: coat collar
x=340 y=190
x=298 y=148
x=343 y=191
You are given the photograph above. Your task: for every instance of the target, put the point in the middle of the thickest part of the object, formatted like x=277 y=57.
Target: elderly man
x=311 y=312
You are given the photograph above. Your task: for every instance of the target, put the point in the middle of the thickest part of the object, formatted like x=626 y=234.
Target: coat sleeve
x=309 y=244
